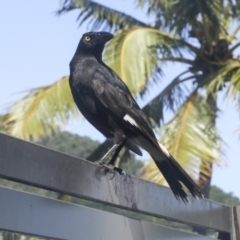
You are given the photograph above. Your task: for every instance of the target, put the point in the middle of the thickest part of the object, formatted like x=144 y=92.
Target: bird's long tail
x=175 y=175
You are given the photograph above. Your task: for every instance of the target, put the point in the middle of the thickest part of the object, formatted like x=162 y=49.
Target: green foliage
x=71 y=144
x=171 y=98
x=41 y=112
x=1 y=123
x=219 y=195
x=192 y=123
x=98 y=15
x=132 y=166
x=139 y=51
x=171 y=12
x=149 y=46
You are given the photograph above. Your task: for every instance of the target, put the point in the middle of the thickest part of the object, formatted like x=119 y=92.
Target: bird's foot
x=120 y=171
x=111 y=169
x=108 y=167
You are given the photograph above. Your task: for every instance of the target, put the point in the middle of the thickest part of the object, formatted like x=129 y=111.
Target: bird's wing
x=112 y=92
x=115 y=96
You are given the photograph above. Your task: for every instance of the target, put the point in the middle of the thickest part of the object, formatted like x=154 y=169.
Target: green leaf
x=190 y=137
x=98 y=15
x=169 y=99
x=218 y=195
x=41 y=111
x=171 y=13
x=2 y=119
x=135 y=54
x=227 y=74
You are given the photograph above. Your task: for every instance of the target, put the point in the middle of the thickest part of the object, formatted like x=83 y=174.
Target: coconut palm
x=201 y=35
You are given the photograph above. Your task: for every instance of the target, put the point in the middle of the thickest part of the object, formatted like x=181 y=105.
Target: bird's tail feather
x=133 y=147
x=171 y=170
x=175 y=175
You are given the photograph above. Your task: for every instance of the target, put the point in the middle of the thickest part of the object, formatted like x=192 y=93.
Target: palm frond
x=235 y=8
x=234 y=47
x=233 y=88
x=99 y=16
x=41 y=111
x=234 y=33
x=135 y=54
x=218 y=80
x=169 y=99
x=190 y=137
x=175 y=14
x=2 y=127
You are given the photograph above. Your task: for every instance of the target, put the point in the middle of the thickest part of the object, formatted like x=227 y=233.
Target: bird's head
x=95 y=39
x=93 y=42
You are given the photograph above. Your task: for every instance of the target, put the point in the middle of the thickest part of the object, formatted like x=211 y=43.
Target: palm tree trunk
x=204 y=181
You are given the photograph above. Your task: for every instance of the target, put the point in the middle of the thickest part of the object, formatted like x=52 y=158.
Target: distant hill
x=70 y=143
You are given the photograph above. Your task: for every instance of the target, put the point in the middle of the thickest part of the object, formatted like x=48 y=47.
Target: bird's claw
x=120 y=171
x=114 y=170
x=111 y=169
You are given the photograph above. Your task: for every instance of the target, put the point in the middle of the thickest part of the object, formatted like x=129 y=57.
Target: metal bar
x=39 y=216
x=31 y=164
x=235 y=223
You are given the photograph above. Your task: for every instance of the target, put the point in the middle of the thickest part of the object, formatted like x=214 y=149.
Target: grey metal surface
x=235 y=223
x=29 y=214
x=38 y=166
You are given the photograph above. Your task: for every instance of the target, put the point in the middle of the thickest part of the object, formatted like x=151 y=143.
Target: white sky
x=35 y=50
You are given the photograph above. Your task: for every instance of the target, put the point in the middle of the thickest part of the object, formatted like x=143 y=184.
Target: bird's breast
x=83 y=96
x=92 y=109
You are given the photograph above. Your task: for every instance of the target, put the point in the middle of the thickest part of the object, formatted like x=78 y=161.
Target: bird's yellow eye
x=87 y=38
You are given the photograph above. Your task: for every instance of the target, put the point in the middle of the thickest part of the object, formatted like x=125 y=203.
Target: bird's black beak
x=104 y=37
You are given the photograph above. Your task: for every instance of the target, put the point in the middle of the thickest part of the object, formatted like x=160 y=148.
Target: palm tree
x=201 y=35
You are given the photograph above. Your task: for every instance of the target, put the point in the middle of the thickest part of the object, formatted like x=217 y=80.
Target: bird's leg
x=110 y=165
x=114 y=158
x=101 y=161
x=115 y=155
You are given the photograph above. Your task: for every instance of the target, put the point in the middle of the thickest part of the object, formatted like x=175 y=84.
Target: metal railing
x=30 y=214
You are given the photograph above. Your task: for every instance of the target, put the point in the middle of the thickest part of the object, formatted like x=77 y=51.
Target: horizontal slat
x=33 y=215
x=38 y=166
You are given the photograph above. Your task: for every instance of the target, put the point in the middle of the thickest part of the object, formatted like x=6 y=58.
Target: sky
x=36 y=47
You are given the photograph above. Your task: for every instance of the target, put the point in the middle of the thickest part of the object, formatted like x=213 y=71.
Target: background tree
x=201 y=35
x=69 y=143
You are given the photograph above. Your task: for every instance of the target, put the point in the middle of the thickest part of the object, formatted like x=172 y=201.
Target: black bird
x=106 y=102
